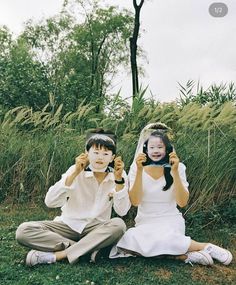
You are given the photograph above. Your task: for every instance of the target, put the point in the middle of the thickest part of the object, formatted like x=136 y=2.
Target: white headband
x=100 y=137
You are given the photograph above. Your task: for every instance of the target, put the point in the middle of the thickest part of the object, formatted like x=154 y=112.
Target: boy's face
x=99 y=157
x=156 y=149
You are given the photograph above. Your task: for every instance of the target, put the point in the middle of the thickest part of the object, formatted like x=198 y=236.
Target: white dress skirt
x=159 y=226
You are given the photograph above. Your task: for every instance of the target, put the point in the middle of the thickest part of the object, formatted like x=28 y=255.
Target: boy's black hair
x=109 y=144
x=169 y=148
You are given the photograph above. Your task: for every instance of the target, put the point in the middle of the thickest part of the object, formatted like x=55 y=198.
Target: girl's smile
x=156 y=149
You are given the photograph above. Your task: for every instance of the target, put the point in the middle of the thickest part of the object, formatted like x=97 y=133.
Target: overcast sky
x=181 y=39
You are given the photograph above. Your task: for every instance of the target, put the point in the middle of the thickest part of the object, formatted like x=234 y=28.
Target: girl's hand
x=81 y=162
x=174 y=161
x=118 y=168
x=141 y=158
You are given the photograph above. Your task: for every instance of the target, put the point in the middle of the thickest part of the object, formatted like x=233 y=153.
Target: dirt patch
x=219 y=274
x=163 y=274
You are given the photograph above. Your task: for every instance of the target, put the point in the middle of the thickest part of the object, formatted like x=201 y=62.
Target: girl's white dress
x=159 y=226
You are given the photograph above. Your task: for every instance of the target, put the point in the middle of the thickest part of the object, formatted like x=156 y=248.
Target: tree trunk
x=133 y=47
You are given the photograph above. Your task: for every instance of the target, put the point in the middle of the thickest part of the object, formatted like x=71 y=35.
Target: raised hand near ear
x=118 y=167
x=174 y=161
x=81 y=162
x=141 y=158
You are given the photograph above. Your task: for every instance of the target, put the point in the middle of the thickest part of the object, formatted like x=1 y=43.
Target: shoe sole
x=29 y=257
x=229 y=258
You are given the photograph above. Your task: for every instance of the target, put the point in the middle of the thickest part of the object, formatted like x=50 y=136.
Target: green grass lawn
x=122 y=271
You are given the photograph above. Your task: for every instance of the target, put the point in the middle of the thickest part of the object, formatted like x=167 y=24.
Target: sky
x=181 y=39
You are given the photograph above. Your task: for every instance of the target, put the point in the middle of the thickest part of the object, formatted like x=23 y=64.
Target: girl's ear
x=145 y=148
x=169 y=149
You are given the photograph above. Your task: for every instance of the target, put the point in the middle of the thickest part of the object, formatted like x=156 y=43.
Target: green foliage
x=30 y=163
x=82 y=51
x=24 y=118
x=5 y=41
x=214 y=217
x=217 y=94
x=23 y=80
x=71 y=58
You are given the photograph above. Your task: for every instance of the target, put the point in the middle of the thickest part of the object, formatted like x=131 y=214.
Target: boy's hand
x=141 y=158
x=174 y=161
x=81 y=162
x=119 y=167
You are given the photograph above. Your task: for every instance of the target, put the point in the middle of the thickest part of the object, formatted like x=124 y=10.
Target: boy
x=86 y=194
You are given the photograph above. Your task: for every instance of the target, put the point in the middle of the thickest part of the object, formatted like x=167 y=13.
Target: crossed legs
x=57 y=237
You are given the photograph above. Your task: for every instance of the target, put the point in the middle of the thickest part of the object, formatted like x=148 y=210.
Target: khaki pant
x=55 y=236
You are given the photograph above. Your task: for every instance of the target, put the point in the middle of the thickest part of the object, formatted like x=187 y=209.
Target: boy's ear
x=113 y=157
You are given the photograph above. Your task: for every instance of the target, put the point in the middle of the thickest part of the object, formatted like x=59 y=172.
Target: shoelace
x=217 y=253
x=188 y=260
x=41 y=258
x=38 y=258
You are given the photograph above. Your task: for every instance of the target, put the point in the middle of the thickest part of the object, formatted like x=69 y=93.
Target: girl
x=157 y=185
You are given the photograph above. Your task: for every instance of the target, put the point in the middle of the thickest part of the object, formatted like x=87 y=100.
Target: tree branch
x=136 y=6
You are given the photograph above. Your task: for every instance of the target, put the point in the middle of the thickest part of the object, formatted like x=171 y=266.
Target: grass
x=122 y=271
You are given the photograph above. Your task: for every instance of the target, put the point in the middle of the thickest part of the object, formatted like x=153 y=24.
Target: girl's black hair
x=169 y=148
x=100 y=142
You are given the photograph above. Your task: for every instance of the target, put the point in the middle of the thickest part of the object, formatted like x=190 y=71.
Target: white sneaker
x=220 y=254
x=38 y=257
x=94 y=256
x=199 y=257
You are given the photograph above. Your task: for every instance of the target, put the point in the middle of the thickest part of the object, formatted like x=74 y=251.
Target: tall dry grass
x=37 y=147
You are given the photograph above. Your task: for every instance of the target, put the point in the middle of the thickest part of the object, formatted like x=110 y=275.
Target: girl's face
x=99 y=158
x=156 y=149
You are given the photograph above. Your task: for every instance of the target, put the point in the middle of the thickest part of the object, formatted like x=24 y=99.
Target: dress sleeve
x=182 y=174
x=132 y=175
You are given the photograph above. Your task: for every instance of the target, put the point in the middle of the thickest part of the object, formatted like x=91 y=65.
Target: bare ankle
x=60 y=255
